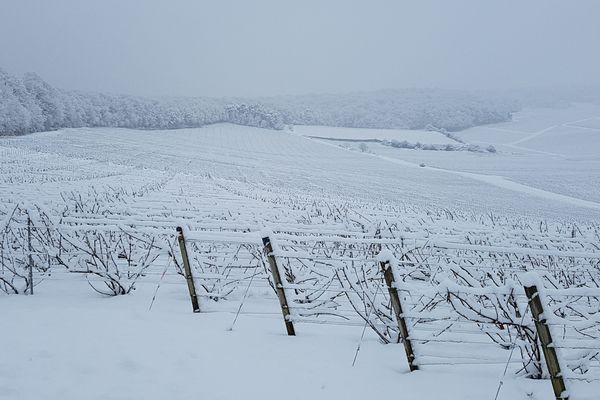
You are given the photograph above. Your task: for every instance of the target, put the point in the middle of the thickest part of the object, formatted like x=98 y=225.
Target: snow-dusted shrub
x=23 y=243
x=113 y=261
x=432 y=147
x=399 y=144
x=224 y=267
x=14 y=262
x=94 y=201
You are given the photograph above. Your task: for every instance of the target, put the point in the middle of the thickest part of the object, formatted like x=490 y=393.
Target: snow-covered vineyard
x=453 y=288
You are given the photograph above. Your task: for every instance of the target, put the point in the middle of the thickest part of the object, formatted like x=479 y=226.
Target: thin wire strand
x=365 y=328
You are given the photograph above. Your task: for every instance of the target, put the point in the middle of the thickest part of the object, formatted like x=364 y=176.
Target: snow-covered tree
x=31 y=104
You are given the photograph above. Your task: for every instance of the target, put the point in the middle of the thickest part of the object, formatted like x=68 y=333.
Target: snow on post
x=531 y=282
x=277 y=281
x=388 y=262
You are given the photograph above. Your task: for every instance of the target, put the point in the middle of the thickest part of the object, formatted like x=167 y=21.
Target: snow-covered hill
x=504 y=213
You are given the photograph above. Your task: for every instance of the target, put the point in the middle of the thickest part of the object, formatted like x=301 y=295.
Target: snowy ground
x=554 y=150
x=66 y=342
x=269 y=160
x=70 y=344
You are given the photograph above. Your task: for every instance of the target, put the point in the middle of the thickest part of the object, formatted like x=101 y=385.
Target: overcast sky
x=251 y=47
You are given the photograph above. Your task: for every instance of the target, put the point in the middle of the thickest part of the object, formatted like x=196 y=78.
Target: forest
x=30 y=104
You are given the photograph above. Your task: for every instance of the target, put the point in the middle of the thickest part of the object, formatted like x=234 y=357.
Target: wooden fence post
x=285 y=309
x=543 y=332
x=403 y=335
x=29 y=257
x=188 y=270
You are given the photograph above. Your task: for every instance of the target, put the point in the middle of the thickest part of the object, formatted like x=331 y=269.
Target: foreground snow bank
x=70 y=345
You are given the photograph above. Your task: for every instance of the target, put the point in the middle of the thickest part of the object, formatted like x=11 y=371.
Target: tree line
x=30 y=104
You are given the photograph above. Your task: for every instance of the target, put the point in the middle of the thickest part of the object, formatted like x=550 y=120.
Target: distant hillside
x=29 y=104
x=452 y=110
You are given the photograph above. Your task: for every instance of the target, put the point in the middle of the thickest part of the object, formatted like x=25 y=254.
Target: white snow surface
x=66 y=342
x=516 y=180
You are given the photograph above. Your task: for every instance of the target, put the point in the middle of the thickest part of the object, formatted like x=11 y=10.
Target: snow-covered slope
x=223 y=178
x=283 y=161
x=65 y=344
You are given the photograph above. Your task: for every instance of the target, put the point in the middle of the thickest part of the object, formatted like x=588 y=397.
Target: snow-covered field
x=281 y=161
x=542 y=149
x=67 y=341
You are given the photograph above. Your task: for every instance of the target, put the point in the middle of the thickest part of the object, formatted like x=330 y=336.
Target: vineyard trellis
x=453 y=294
x=456 y=297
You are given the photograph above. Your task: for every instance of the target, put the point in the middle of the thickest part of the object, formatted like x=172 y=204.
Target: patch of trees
x=32 y=105
x=446 y=110
x=29 y=104
x=404 y=144
x=254 y=115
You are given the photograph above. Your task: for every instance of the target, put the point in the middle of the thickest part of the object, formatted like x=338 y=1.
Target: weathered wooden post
x=188 y=270
x=30 y=256
x=403 y=335
x=543 y=332
x=285 y=309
